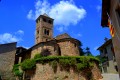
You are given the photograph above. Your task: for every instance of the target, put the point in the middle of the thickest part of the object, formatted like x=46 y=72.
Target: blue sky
x=81 y=19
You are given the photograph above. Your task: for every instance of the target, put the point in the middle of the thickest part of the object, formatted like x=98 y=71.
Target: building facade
x=7 y=60
x=107 y=56
x=111 y=9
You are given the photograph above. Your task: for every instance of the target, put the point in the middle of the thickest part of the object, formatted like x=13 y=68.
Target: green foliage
x=91 y=64
x=82 y=53
x=28 y=64
x=80 y=66
x=72 y=61
x=16 y=70
x=78 y=62
x=54 y=65
x=37 y=56
x=64 y=62
x=87 y=52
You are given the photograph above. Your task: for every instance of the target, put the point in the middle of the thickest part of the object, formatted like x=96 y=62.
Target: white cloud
x=20 y=32
x=79 y=35
x=64 y=12
x=60 y=29
x=98 y=8
x=76 y=35
x=7 y=37
x=30 y=15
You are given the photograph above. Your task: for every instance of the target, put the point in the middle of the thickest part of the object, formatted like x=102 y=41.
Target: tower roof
x=45 y=16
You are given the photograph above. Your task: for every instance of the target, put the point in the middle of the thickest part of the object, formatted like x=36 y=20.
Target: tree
x=82 y=53
x=87 y=52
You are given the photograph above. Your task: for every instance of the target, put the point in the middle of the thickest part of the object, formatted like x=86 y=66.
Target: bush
x=28 y=64
x=64 y=62
x=37 y=56
x=80 y=66
x=16 y=70
x=78 y=62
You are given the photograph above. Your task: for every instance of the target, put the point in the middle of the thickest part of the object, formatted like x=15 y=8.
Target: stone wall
x=46 y=72
x=63 y=48
x=7 y=59
x=68 y=48
x=51 y=46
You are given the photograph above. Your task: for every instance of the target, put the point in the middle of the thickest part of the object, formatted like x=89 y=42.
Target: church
x=61 y=45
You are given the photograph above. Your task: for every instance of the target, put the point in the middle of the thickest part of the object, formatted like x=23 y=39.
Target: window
x=105 y=51
x=37 y=31
x=50 y=21
x=46 y=32
x=44 y=20
x=75 y=45
x=116 y=68
x=101 y=51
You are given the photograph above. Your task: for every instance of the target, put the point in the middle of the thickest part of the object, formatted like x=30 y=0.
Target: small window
x=37 y=31
x=47 y=32
x=44 y=20
x=101 y=51
x=50 y=21
x=116 y=68
x=105 y=51
x=75 y=45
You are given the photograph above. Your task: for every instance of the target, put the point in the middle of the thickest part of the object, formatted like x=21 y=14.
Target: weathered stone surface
x=7 y=59
x=46 y=72
x=51 y=46
x=68 y=48
x=41 y=26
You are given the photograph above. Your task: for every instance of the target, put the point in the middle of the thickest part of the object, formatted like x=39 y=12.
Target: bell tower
x=44 y=28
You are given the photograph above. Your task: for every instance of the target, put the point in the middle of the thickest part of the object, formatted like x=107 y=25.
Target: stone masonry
x=7 y=59
x=46 y=72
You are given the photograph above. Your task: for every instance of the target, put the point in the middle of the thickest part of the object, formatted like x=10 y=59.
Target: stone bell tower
x=44 y=28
